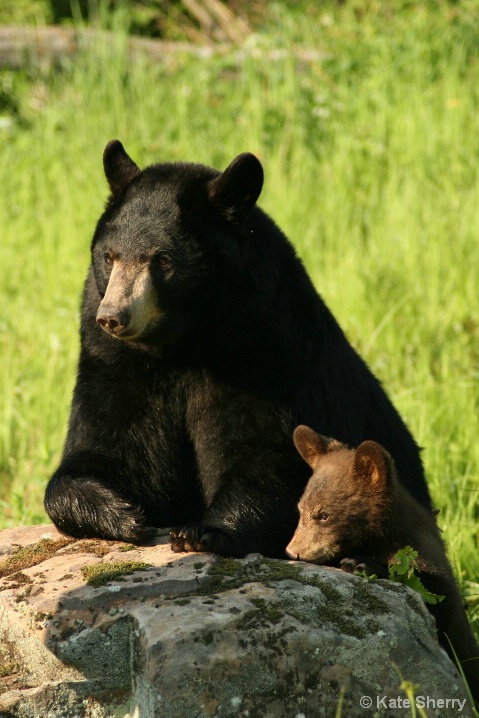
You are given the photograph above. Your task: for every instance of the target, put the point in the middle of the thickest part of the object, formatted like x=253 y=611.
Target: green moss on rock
x=100 y=573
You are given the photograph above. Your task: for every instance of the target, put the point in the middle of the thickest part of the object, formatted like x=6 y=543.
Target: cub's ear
x=373 y=464
x=119 y=167
x=310 y=445
x=234 y=192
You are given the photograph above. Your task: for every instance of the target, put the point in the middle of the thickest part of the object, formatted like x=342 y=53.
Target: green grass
x=371 y=153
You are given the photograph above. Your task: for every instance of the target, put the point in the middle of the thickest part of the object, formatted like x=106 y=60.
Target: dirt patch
x=98 y=547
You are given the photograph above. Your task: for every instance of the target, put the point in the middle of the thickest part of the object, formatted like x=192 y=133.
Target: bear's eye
x=164 y=262
x=108 y=258
x=320 y=516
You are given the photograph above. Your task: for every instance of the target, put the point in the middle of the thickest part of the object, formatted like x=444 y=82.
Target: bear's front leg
x=250 y=473
x=253 y=511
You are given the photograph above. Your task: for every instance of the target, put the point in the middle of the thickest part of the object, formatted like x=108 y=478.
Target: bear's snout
x=111 y=321
x=129 y=308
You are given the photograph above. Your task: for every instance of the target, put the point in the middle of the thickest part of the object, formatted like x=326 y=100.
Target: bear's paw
x=201 y=537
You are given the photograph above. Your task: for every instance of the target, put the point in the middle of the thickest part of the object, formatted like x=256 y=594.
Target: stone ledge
x=196 y=636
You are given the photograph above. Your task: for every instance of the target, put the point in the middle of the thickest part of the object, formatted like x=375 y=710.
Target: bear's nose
x=112 y=322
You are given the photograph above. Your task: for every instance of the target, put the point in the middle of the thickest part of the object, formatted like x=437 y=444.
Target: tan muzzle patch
x=130 y=304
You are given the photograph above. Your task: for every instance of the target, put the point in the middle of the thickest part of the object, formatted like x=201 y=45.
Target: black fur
x=191 y=424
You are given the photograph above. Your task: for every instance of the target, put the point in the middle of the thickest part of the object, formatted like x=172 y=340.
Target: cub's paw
x=351 y=565
x=364 y=565
x=201 y=537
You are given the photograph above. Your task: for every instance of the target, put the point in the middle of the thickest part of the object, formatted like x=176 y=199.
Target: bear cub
x=354 y=511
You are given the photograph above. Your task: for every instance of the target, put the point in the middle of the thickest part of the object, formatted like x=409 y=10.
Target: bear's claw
x=187 y=538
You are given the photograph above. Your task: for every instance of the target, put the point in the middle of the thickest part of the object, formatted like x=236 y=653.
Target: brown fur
x=355 y=511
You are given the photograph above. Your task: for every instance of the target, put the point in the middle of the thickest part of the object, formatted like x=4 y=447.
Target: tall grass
x=371 y=153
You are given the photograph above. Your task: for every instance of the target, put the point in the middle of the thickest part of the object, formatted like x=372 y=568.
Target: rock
x=98 y=629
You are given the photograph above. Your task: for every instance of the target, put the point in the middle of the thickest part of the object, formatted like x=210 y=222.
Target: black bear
x=203 y=344
x=354 y=512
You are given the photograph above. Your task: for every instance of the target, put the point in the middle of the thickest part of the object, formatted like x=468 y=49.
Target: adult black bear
x=203 y=344
x=354 y=511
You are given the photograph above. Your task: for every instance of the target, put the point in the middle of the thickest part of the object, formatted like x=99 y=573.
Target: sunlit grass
x=371 y=153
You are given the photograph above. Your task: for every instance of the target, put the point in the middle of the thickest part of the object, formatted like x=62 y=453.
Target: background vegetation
x=364 y=114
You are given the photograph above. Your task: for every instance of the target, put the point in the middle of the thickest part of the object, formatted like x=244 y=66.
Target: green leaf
x=404 y=562
x=403 y=569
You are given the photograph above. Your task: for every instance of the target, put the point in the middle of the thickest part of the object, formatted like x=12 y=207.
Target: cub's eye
x=108 y=258
x=320 y=516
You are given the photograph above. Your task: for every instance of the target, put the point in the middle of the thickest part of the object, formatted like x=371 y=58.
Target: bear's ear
x=373 y=464
x=234 y=192
x=310 y=445
x=119 y=167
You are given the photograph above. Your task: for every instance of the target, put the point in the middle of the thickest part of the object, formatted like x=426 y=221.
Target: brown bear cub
x=354 y=511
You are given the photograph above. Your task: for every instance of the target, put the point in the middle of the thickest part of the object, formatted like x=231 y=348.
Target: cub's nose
x=292 y=554
x=112 y=322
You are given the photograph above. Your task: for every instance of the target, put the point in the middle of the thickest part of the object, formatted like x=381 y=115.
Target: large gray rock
x=196 y=636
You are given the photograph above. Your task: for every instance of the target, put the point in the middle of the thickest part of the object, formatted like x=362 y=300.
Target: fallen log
x=49 y=46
